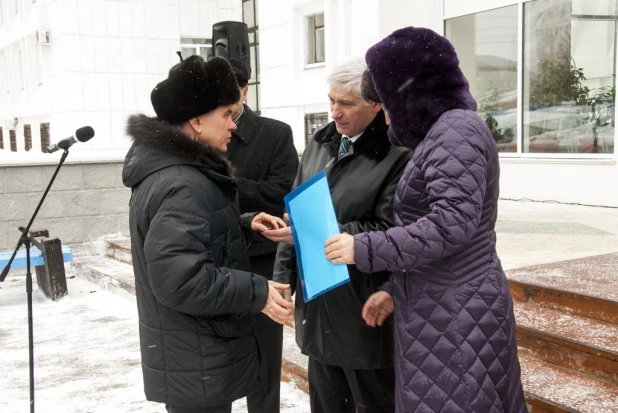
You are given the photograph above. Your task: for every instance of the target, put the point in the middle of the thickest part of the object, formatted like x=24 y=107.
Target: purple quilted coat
x=455 y=343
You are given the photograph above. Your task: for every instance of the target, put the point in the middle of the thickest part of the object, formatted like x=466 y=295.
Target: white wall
x=198 y=16
x=589 y=182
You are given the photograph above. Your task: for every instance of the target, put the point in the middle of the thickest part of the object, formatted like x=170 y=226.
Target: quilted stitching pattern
x=455 y=325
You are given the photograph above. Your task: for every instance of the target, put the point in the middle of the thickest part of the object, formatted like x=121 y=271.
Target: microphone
x=83 y=134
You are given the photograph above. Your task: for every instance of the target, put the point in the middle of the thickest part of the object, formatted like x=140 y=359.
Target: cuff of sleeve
x=261 y=293
x=361 y=253
x=388 y=287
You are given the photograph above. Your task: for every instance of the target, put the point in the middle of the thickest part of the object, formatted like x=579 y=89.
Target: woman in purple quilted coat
x=454 y=322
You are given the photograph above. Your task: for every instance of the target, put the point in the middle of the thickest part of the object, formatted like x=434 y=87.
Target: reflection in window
x=45 y=141
x=27 y=137
x=569 y=76
x=486 y=44
x=13 y=140
x=315 y=39
x=313 y=121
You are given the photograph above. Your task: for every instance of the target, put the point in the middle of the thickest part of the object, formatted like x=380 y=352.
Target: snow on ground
x=86 y=352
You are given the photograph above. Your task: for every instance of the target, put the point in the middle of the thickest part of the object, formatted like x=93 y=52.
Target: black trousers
x=215 y=409
x=266 y=398
x=335 y=389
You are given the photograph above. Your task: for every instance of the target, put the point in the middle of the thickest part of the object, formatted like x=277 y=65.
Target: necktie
x=344 y=146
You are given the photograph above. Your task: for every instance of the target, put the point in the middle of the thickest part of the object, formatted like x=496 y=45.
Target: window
x=569 y=76
x=1 y=138
x=190 y=46
x=18 y=69
x=4 y=78
x=315 y=39
x=486 y=45
x=564 y=82
x=13 y=139
x=44 y=137
x=27 y=137
x=250 y=18
x=313 y=121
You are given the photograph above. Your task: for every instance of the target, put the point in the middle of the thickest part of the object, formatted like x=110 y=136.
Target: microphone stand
x=26 y=240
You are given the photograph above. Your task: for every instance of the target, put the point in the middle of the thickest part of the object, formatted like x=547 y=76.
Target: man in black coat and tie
x=265 y=160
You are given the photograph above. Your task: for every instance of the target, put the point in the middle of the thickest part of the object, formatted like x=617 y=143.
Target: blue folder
x=313 y=221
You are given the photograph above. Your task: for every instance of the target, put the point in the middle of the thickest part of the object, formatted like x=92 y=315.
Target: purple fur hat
x=416 y=74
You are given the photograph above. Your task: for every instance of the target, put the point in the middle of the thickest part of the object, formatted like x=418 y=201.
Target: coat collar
x=245 y=125
x=373 y=143
x=158 y=144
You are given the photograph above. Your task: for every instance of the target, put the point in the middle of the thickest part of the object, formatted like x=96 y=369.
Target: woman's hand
x=277 y=307
x=377 y=308
x=340 y=249
x=264 y=222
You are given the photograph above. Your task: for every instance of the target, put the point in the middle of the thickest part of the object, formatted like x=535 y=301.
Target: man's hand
x=287 y=294
x=377 y=308
x=277 y=307
x=280 y=235
x=263 y=222
x=340 y=249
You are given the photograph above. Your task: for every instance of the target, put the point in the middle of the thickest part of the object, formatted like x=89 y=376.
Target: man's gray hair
x=348 y=76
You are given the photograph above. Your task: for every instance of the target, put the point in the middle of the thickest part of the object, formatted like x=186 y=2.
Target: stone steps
x=579 y=343
x=120 y=250
x=587 y=286
x=552 y=389
x=567 y=337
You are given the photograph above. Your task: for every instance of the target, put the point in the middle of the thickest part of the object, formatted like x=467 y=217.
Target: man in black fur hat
x=196 y=298
x=265 y=162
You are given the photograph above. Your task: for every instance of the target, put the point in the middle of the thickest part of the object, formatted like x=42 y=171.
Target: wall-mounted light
x=15 y=122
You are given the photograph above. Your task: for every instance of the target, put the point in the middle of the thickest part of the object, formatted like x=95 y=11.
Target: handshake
x=279 y=306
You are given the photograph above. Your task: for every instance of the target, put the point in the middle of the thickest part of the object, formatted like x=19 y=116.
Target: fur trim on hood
x=417 y=76
x=171 y=147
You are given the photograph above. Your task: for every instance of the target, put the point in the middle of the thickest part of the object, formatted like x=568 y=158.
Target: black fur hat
x=194 y=88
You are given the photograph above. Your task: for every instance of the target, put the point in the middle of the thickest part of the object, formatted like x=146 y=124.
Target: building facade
x=69 y=63
x=542 y=71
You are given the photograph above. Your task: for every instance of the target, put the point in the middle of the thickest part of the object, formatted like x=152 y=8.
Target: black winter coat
x=265 y=164
x=195 y=298
x=330 y=327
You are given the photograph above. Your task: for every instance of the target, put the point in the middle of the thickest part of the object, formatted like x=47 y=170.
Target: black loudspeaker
x=231 y=41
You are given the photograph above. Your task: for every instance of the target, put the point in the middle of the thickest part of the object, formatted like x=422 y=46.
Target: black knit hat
x=194 y=88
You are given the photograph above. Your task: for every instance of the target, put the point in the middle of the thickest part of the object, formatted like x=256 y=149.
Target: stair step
x=110 y=274
x=120 y=250
x=586 y=286
x=575 y=303
x=553 y=389
x=580 y=343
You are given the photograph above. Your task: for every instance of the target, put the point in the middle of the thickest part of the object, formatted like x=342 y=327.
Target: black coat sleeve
x=382 y=217
x=281 y=172
x=180 y=258
x=285 y=270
